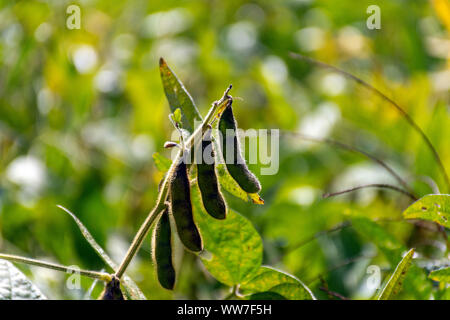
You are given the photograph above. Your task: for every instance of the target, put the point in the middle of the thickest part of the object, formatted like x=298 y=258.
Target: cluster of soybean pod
x=179 y=199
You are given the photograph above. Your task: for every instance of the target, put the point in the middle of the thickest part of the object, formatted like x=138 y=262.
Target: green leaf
x=442 y=275
x=228 y=183
x=395 y=282
x=267 y=296
x=14 y=285
x=178 y=96
x=177 y=115
x=433 y=207
x=234 y=246
x=162 y=163
x=130 y=286
x=276 y=281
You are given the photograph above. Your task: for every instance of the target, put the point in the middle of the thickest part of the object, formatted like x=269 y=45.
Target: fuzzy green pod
x=237 y=168
x=162 y=252
x=207 y=180
x=181 y=208
x=112 y=290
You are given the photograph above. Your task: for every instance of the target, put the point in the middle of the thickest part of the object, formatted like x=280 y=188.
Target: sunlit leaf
x=273 y=280
x=395 y=282
x=178 y=96
x=177 y=115
x=256 y=198
x=432 y=207
x=442 y=275
x=267 y=296
x=234 y=245
x=228 y=183
x=129 y=285
x=14 y=285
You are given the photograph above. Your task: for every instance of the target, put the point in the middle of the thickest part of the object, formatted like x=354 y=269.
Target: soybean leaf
x=395 y=282
x=178 y=96
x=267 y=296
x=269 y=279
x=177 y=115
x=14 y=285
x=433 y=207
x=161 y=162
x=228 y=183
x=130 y=286
x=234 y=245
x=442 y=275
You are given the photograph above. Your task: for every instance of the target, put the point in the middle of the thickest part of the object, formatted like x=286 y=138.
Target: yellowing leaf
x=395 y=282
x=256 y=198
x=442 y=275
x=432 y=207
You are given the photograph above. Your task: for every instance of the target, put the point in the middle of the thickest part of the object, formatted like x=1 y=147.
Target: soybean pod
x=162 y=252
x=207 y=180
x=236 y=166
x=112 y=290
x=181 y=208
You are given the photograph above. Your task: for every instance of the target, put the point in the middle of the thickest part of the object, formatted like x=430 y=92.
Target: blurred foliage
x=82 y=112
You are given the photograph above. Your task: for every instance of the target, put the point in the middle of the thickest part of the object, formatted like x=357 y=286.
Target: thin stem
x=407 y=117
x=317 y=235
x=218 y=106
x=341 y=265
x=355 y=150
x=374 y=185
x=333 y=293
x=91 y=274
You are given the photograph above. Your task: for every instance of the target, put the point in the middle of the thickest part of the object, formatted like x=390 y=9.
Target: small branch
x=354 y=150
x=341 y=265
x=91 y=274
x=317 y=235
x=405 y=115
x=374 y=185
x=333 y=294
x=217 y=106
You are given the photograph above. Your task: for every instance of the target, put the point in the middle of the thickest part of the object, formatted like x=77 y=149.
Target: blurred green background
x=82 y=112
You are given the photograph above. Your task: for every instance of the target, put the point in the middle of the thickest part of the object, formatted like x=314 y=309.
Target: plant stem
x=374 y=185
x=160 y=203
x=355 y=150
x=405 y=115
x=91 y=274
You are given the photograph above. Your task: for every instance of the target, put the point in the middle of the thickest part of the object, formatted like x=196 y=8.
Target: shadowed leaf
x=178 y=96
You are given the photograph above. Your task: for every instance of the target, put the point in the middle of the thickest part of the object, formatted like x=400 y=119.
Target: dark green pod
x=207 y=181
x=237 y=168
x=112 y=290
x=181 y=209
x=162 y=252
